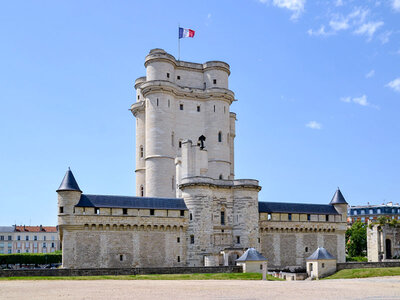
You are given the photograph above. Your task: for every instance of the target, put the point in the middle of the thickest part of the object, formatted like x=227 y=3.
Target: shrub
x=30 y=258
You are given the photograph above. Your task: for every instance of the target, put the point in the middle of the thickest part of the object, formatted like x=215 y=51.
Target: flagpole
x=179 y=44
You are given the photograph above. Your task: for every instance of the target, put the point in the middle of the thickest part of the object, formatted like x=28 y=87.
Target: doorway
x=388 y=249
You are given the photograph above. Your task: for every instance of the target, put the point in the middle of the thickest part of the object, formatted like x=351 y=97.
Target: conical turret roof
x=69 y=183
x=251 y=255
x=320 y=253
x=338 y=198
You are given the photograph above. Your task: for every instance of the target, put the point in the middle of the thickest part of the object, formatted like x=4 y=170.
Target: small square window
x=323 y=265
x=178 y=77
x=61 y=209
x=151 y=212
x=198 y=108
x=181 y=106
x=96 y=211
x=124 y=211
x=215 y=81
x=182 y=213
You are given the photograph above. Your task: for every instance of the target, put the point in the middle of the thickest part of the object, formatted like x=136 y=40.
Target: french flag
x=185 y=32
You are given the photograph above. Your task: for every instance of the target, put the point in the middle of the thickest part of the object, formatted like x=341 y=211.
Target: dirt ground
x=368 y=288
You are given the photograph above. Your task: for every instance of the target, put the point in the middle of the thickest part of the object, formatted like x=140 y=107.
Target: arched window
x=220 y=137
x=141 y=191
x=172 y=138
x=141 y=151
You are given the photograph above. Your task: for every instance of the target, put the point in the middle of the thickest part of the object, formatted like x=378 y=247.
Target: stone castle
x=189 y=209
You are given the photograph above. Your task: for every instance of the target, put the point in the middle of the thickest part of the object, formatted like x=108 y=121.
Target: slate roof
x=131 y=202
x=338 y=198
x=251 y=255
x=297 y=208
x=320 y=253
x=6 y=228
x=69 y=183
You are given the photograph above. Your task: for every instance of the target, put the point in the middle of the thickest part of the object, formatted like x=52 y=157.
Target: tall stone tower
x=178 y=101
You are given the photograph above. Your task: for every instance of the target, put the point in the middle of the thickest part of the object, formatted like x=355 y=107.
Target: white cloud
x=368 y=29
x=339 y=3
x=384 y=37
x=370 y=74
x=296 y=6
x=320 y=31
x=359 y=100
x=394 y=84
x=396 y=5
x=314 y=125
x=339 y=23
x=209 y=16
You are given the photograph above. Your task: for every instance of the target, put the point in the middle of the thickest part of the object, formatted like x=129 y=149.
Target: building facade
x=365 y=213
x=29 y=239
x=383 y=242
x=189 y=208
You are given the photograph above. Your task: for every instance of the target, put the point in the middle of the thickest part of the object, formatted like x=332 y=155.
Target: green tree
x=356 y=239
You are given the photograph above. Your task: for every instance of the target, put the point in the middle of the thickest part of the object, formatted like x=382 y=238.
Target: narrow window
x=180 y=144
x=306 y=250
x=157 y=101
x=142 y=191
x=214 y=108
x=215 y=81
x=18 y=238
x=173 y=182
x=192 y=239
x=35 y=238
x=179 y=259
x=178 y=77
x=151 y=212
x=168 y=102
x=220 y=176
x=259 y=240
x=260 y=267
x=172 y=138
x=141 y=152
x=308 y=217
x=121 y=257
x=220 y=137
x=323 y=265
x=138 y=97
x=181 y=106
x=269 y=217
x=167 y=75
x=238 y=240
x=327 y=218
x=222 y=230
x=224 y=109
x=26 y=238
x=182 y=213
x=124 y=211
x=198 y=108
x=222 y=218
x=96 y=211
x=290 y=217
x=61 y=209
x=44 y=238
x=227 y=138
x=190 y=216
x=178 y=239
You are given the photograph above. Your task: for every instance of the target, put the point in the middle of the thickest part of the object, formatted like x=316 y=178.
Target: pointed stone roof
x=69 y=183
x=320 y=253
x=338 y=198
x=251 y=255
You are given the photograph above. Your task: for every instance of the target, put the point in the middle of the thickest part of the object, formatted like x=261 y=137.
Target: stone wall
x=118 y=271
x=363 y=265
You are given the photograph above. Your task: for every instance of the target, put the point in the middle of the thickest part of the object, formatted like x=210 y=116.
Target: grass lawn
x=213 y=276
x=364 y=273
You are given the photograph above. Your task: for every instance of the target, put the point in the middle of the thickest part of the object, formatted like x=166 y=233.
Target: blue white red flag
x=185 y=32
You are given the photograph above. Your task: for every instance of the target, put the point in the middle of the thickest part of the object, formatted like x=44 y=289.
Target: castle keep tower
x=179 y=101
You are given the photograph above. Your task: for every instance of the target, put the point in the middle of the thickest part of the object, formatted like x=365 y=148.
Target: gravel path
x=368 y=288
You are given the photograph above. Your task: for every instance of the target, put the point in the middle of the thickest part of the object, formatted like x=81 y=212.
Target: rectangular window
x=124 y=211
x=326 y=218
x=27 y=238
x=363 y=212
x=198 y=108
x=181 y=106
x=138 y=97
x=182 y=213
x=19 y=245
x=35 y=238
x=290 y=217
x=96 y=211
x=19 y=238
x=179 y=259
x=44 y=238
x=269 y=217
x=308 y=217
x=167 y=75
x=238 y=240
x=379 y=211
x=10 y=238
x=222 y=218
x=355 y=212
x=215 y=81
x=151 y=212
x=190 y=216
x=9 y=251
x=178 y=239
x=121 y=257
x=192 y=239
x=178 y=77
x=44 y=245
x=61 y=209
x=27 y=245
x=371 y=211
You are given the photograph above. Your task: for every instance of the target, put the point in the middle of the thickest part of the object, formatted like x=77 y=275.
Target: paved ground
x=369 y=288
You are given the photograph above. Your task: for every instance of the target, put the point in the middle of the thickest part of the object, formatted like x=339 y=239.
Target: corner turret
x=69 y=194
x=340 y=204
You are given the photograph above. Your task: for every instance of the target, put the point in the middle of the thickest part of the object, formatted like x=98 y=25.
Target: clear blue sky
x=318 y=84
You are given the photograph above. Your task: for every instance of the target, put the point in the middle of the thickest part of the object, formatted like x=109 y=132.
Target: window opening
x=124 y=211
x=215 y=81
x=151 y=212
x=141 y=152
x=178 y=77
x=198 y=108
x=308 y=217
x=220 y=137
x=167 y=75
x=192 y=239
x=121 y=257
x=182 y=213
x=290 y=217
x=181 y=106
x=222 y=218
x=61 y=209
x=142 y=191
x=178 y=239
